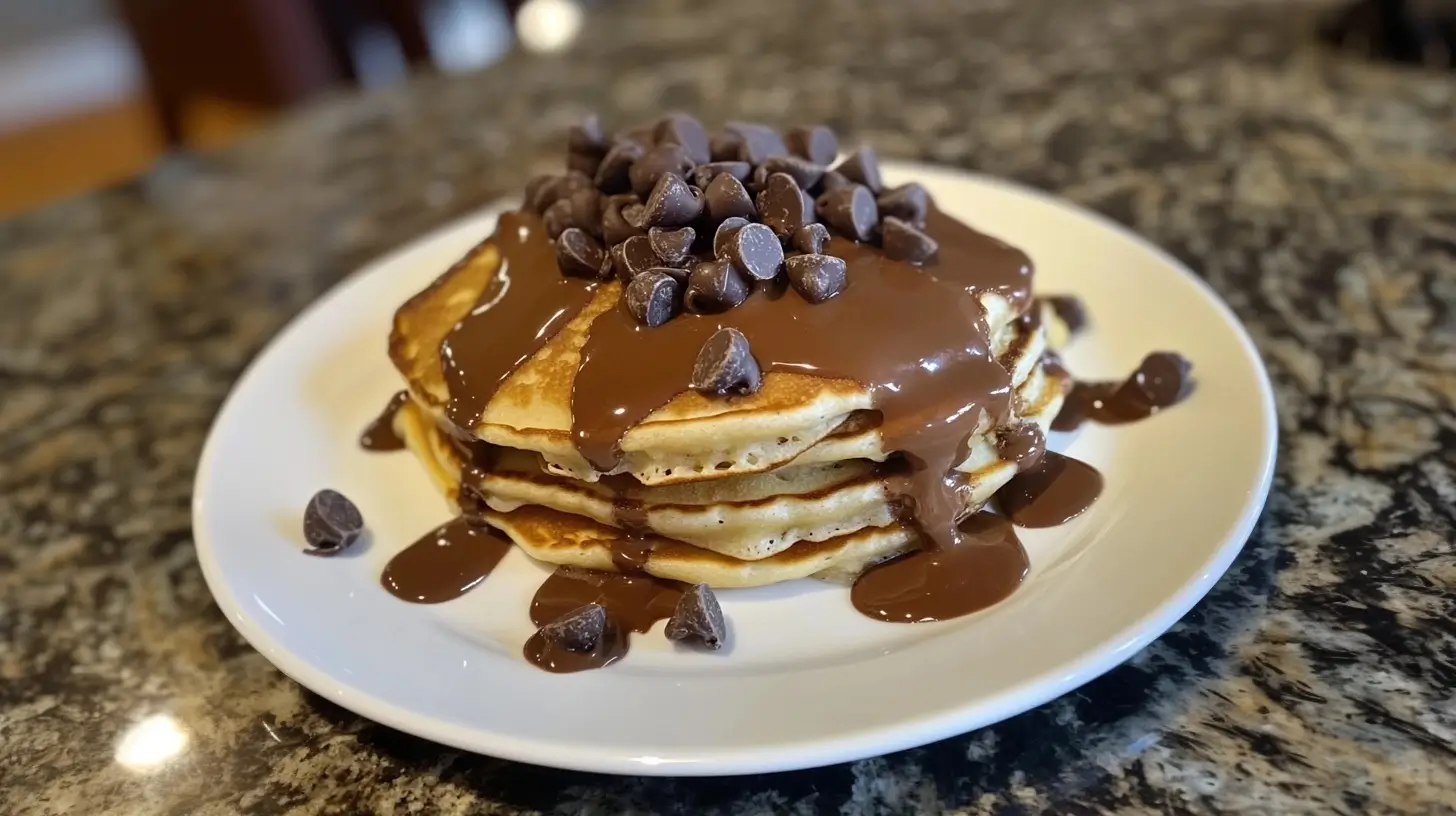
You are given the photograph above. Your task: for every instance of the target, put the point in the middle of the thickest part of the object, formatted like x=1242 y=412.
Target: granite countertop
x=1316 y=192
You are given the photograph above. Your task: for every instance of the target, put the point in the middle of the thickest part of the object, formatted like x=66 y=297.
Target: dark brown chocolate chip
x=641 y=134
x=756 y=252
x=863 y=167
x=816 y=143
x=781 y=205
x=673 y=246
x=817 y=277
x=908 y=202
x=676 y=273
x=903 y=241
x=1069 y=309
x=615 y=228
x=713 y=287
x=547 y=191
x=851 y=211
x=586 y=210
x=587 y=137
x=668 y=158
x=635 y=214
x=704 y=174
x=579 y=630
x=725 y=233
x=614 y=173
x=672 y=203
x=756 y=180
x=698 y=618
x=725 y=365
x=724 y=146
x=804 y=171
x=583 y=163
x=810 y=239
x=653 y=297
x=557 y=217
x=632 y=257
x=757 y=142
x=727 y=198
x=331 y=523
x=1162 y=380
x=578 y=254
x=832 y=181
x=534 y=193
x=687 y=132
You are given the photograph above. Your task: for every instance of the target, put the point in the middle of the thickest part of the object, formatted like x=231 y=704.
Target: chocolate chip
x=673 y=246
x=632 y=257
x=713 y=287
x=756 y=251
x=904 y=241
x=615 y=228
x=725 y=233
x=640 y=134
x=557 y=217
x=863 y=166
x=832 y=181
x=725 y=365
x=586 y=210
x=781 y=205
x=727 y=198
x=533 y=193
x=578 y=254
x=704 y=174
x=758 y=142
x=817 y=143
x=614 y=173
x=672 y=203
x=756 y=180
x=579 y=630
x=653 y=297
x=587 y=137
x=685 y=131
x=331 y=523
x=654 y=163
x=698 y=618
x=724 y=147
x=851 y=211
x=676 y=273
x=634 y=214
x=805 y=172
x=543 y=192
x=816 y=277
x=1162 y=380
x=908 y=202
x=811 y=238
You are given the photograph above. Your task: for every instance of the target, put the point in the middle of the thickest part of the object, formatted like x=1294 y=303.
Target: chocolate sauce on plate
x=634 y=602
x=1055 y=491
x=380 y=435
x=1162 y=380
x=932 y=585
x=445 y=562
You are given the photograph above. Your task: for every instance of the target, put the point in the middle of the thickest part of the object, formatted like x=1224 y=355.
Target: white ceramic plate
x=808 y=680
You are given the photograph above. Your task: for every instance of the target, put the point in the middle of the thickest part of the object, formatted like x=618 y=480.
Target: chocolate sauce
x=445 y=562
x=633 y=602
x=915 y=336
x=380 y=435
x=1023 y=444
x=933 y=585
x=1162 y=380
x=1069 y=309
x=526 y=304
x=1055 y=491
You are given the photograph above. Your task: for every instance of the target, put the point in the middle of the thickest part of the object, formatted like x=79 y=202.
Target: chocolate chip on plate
x=331 y=523
x=673 y=246
x=727 y=197
x=816 y=143
x=757 y=142
x=851 y=211
x=672 y=203
x=725 y=233
x=698 y=618
x=632 y=257
x=903 y=241
x=810 y=239
x=713 y=287
x=653 y=297
x=816 y=277
x=863 y=166
x=667 y=158
x=686 y=132
x=579 y=630
x=704 y=174
x=725 y=365
x=755 y=251
x=614 y=173
x=557 y=217
x=805 y=172
x=578 y=254
x=908 y=202
x=781 y=205
x=615 y=227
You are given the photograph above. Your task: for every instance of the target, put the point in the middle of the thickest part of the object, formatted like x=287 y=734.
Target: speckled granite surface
x=1316 y=193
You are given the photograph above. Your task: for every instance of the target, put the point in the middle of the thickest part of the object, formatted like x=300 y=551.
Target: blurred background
x=93 y=91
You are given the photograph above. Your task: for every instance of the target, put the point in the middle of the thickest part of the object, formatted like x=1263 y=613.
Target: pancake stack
x=729 y=360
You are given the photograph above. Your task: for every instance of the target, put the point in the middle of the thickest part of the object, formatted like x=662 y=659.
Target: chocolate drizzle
x=1055 y=491
x=445 y=562
x=1161 y=381
x=633 y=603
x=380 y=435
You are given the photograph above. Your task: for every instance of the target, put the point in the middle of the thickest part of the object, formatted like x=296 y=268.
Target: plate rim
x=1092 y=662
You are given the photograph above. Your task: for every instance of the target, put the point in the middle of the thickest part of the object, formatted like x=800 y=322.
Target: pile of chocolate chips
x=694 y=223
